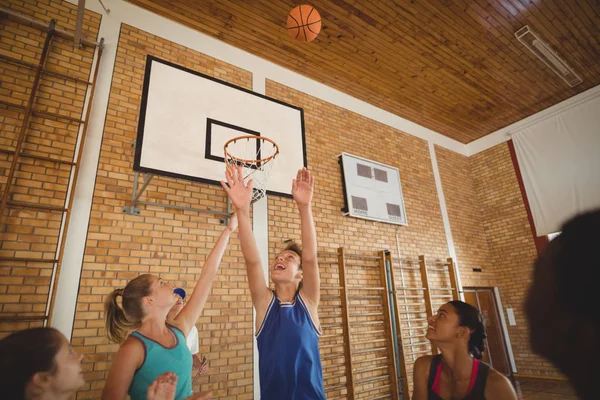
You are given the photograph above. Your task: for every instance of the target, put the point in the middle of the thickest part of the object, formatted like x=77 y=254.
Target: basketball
x=304 y=23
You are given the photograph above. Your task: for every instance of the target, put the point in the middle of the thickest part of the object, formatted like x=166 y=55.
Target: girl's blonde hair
x=119 y=321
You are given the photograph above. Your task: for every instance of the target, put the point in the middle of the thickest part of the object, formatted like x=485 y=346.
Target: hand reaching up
x=238 y=192
x=302 y=187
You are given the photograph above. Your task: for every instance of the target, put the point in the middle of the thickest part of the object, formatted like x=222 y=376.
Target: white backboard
x=186 y=117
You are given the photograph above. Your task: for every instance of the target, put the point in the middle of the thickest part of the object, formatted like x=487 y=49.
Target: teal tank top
x=158 y=360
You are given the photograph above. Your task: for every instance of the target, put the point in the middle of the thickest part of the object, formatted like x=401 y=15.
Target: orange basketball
x=304 y=23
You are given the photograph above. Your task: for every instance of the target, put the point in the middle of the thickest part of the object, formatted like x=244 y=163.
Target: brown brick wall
x=491 y=231
x=466 y=222
x=27 y=233
x=511 y=245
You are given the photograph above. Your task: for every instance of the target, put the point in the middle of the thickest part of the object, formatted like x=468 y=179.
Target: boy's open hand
x=238 y=192
x=302 y=187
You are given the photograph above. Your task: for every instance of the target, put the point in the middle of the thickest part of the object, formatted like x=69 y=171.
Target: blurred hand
x=204 y=369
x=200 y=364
x=163 y=387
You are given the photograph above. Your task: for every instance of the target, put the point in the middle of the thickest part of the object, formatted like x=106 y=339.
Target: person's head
x=457 y=322
x=143 y=296
x=562 y=305
x=38 y=361
x=287 y=266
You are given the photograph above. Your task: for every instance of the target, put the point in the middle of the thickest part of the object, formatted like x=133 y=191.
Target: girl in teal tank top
x=158 y=360
x=154 y=347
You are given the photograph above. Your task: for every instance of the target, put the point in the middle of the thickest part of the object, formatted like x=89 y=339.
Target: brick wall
x=491 y=231
x=511 y=246
x=169 y=242
x=466 y=219
x=30 y=233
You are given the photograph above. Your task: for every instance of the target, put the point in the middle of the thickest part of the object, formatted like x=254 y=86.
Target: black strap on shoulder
x=435 y=362
x=478 y=391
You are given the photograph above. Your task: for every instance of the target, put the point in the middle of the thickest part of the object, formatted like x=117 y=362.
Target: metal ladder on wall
x=19 y=153
x=372 y=328
x=414 y=304
x=357 y=318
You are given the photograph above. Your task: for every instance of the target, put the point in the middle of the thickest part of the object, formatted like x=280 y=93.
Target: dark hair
x=576 y=264
x=471 y=318
x=295 y=247
x=23 y=354
x=119 y=321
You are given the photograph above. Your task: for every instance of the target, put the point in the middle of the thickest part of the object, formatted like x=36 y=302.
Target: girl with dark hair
x=155 y=347
x=39 y=363
x=458 y=372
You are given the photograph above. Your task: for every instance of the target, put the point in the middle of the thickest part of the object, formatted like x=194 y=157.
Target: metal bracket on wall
x=136 y=193
x=107 y=10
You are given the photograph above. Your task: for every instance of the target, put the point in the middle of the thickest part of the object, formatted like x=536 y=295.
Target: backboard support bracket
x=136 y=193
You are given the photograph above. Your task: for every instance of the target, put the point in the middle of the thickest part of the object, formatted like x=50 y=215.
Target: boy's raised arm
x=241 y=196
x=302 y=190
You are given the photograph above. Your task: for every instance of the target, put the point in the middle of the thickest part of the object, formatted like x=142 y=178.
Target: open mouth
x=279 y=267
x=431 y=327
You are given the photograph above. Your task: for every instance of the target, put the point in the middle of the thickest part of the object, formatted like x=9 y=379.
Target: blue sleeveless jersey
x=158 y=360
x=288 y=353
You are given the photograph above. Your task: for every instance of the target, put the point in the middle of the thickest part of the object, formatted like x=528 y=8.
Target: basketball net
x=255 y=154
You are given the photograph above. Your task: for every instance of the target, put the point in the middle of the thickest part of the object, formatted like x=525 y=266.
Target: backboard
x=186 y=117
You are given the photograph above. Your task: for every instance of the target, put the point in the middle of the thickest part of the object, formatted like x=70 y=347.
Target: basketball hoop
x=254 y=154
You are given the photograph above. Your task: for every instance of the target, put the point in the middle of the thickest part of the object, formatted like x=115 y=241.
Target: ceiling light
x=541 y=49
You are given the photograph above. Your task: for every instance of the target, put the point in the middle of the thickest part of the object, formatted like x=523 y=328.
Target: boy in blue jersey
x=287 y=321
